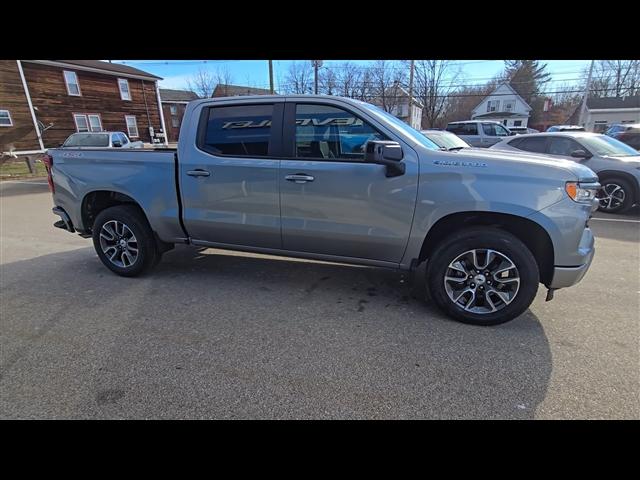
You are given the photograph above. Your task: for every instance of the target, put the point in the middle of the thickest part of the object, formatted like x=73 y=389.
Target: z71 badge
x=456 y=163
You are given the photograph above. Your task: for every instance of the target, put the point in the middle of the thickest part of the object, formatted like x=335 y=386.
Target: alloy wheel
x=118 y=243
x=482 y=281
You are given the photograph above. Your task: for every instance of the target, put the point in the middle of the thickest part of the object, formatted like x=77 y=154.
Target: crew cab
x=336 y=179
x=479 y=133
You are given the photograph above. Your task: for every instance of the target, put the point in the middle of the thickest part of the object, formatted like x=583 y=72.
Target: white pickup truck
x=100 y=140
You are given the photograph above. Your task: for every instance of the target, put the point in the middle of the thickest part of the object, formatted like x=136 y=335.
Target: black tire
x=609 y=185
x=483 y=238
x=147 y=255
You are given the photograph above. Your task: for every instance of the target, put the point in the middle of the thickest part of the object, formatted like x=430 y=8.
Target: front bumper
x=568 y=276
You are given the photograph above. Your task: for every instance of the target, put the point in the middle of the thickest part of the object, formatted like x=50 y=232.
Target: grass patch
x=18 y=168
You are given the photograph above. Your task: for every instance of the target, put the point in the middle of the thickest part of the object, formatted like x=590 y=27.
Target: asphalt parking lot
x=215 y=334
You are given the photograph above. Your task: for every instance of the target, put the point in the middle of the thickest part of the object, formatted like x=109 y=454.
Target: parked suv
x=479 y=133
x=617 y=164
x=627 y=133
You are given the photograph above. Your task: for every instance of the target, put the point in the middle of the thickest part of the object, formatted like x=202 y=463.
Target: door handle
x=198 y=173
x=299 y=178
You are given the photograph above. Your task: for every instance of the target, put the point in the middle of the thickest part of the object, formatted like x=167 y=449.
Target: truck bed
x=147 y=176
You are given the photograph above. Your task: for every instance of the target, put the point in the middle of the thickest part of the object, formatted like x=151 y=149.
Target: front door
x=229 y=183
x=493 y=133
x=331 y=201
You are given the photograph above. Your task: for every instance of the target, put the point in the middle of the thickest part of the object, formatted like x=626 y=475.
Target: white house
x=503 y=105
x=399 y=98
x=603 y=112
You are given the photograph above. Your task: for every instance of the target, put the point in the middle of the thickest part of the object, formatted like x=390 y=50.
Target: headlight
x=582 y=193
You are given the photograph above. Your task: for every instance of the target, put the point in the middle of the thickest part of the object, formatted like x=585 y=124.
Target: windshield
x=608 y=146
x=412 y=132
x=446 y=140
x=87 y=140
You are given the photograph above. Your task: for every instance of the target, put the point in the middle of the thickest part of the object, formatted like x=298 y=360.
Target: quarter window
x=132 y=126
x=123 y=85
x=243 y=130
x=328 y=132
x=5 y=119
x=71 y=81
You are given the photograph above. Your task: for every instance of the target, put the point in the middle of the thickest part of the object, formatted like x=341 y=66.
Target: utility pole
x=586 y=95
x=316 y=65
x=271 y=76
x=411 y=92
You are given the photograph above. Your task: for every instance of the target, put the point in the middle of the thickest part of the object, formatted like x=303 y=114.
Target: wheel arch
x=96 y=201
x=533 y=235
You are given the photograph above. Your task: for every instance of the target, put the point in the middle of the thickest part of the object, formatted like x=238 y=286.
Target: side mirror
x=385 y=153
x=511 y=134
x=580 y=154
x=117 y=143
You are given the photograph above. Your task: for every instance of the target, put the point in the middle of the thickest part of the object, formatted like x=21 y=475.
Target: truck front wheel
x=482 y=276
x=124 y=241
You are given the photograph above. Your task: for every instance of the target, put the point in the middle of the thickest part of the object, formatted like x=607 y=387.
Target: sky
x=255 y=73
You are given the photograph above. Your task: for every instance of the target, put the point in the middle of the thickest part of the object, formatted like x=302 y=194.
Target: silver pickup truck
x=340 y=180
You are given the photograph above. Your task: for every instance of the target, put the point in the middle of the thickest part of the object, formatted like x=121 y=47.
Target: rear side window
x=463 y=128
x=242 y=130
x=531 y=144
x=323 y=131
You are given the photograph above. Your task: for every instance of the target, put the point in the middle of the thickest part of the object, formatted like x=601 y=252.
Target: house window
x=509 y=105
x=175 y=122
x=123 y=85
x=132 y=126
x=82 y=123
x=517 y=123
x=492 y=105
x=173 y=109
x=95 y=124
x=87 y=122
x=71 y=81
x=5 y=119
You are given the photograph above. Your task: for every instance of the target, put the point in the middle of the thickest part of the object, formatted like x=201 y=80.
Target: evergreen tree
x=527 y=77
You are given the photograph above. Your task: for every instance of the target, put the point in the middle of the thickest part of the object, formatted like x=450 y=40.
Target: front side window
x=242 y=130
x=563 y=146
x=123 y=85
x=5 y=119
x=323 y=131
x=132 y=126
x=531 y=144
x=494 y=130
x=71 y=81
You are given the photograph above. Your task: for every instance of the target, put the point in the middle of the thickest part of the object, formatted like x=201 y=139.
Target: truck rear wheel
x=482 y=276
x=124 y=241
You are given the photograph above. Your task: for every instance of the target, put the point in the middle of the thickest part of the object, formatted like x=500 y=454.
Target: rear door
x=229 y=182
x=332 y=202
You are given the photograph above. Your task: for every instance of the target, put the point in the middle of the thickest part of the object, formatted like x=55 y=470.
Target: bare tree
x=386 y=80
x=615 y=78
x=328 y=82
x=202 y=83
x=434 y=82
x=299 y=78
